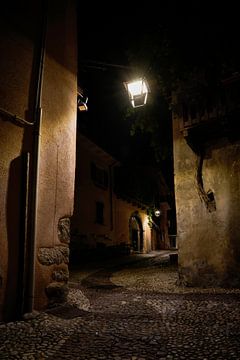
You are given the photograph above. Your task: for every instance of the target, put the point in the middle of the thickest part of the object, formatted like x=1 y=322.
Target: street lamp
x=138 y=92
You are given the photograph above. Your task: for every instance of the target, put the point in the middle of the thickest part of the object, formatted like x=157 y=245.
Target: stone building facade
x=38 y=104
x=207 y=189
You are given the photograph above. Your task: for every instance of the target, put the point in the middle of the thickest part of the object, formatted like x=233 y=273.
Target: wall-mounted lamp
x=138 y=92
x=157 y=212
x=82 y=102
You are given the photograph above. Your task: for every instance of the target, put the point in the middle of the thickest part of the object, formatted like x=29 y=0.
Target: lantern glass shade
x=137 y=92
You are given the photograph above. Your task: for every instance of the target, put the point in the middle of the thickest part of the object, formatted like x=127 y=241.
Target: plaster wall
x=19 y=44
x=86 y=232
x=15 y=70
x=84 y=223
x=58 y=140
x=10 y=205
x=124 y=211
x=208 y=242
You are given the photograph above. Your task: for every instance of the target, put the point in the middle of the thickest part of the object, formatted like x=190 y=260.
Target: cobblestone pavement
x=120 y=313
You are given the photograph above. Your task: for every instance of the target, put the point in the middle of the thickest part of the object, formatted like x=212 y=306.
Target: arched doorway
x=136 y=232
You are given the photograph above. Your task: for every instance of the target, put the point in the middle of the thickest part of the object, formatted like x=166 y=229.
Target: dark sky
x=200 y=30
x=107 y=39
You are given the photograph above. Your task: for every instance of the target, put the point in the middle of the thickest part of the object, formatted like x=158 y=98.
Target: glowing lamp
x=82 y=102
x=157 y=213
x=137 y=92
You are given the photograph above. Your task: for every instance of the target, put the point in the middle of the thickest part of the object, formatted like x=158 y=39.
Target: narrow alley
x=130 y=309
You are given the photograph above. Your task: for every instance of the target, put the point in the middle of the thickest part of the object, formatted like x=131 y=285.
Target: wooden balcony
x=216 y=116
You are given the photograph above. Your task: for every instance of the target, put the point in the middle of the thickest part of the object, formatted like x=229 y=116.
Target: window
x=99 y=212
x=99 y=176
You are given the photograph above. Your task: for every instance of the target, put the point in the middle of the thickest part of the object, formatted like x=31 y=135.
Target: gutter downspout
x=35 y=166
x=111 y=186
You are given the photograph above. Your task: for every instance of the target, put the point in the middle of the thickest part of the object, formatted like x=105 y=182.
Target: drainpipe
x=35 y=165
x=111 y=185
x=23 y=235
x=111 y=195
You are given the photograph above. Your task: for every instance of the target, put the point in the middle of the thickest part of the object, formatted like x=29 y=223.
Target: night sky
x=107 y=39
x=105 y=121
x=201 y=32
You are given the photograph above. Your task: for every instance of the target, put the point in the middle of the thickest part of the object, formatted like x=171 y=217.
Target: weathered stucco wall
x=58 y=139
x=124 y=211
x=15 y=71
x=208 y=242
x=10 y=204
x=86 y=232
x=19 y=47
x=85 y=227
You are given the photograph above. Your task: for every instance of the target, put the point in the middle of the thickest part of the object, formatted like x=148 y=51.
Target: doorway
x=136 y=233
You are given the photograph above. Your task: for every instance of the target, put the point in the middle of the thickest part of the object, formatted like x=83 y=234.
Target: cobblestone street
x=131 y=311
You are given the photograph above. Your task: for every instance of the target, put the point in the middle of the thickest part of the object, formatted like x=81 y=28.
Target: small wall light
x=138 y=92
x=157 y=212
x=82 y=102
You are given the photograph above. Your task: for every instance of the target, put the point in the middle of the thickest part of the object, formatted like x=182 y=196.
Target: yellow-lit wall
x=124 y=211
x=58 y=140
x=19 y=47
x=117 y=212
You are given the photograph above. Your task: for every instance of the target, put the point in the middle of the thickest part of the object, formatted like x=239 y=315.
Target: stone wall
x=56 y=259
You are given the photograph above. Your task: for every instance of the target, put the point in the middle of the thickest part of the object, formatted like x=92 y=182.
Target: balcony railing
x=213 y=117
x=215 y=108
